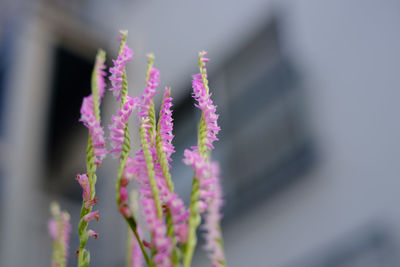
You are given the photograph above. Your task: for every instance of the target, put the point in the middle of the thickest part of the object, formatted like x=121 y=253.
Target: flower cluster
x=119 y=123
x=204 y=174
x=117 y=71
x=153 y=81
x=90 y=113
x=212 y=220
x=95 y=153
x=171 y=226
x=166 y=125
x=203 y=97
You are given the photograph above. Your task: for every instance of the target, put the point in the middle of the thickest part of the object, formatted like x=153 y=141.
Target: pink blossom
x=83 y=180
x=162 y=244
x=119 y=123
x=100 y=74
x=117 y=71
x=66 y=231
x=91 y=215
x=88 y=118
x=149 y=92
x=204 y=174
x=205 y=104
x=123 y=194
x=90 y=203
x=125 y=211
x=166 y=125
x=137 y=168
x=213 y=216
x=93 y=234
x=179 y=215
x=88 y=113
x=53 y=228
x=60 y=230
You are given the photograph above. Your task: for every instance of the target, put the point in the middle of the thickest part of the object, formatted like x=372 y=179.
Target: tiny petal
x=53 y=229
x=89 y=203
x=91 y=215
x=93 y=234
x=123 y=194
x=83 y=180
x=125 y=211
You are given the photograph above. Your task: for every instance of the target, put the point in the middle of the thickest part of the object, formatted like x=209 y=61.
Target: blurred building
x=307 y=92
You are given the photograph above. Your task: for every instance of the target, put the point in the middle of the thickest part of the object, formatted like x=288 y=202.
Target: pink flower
x=204 y=173
x=119 y=122
x=93 y=234
x=53 y=228
x=91 y=215
x=88 y=118
x=162 y=244
x=90 y=203
x=117 y=71
x=100 y=74
x=201 y=167
x=66 y=231
x=149 y=92
x=83 y=180
x=205 y=104
x=179 y=215
x=213 y=216
x=60 y=230
x=125 y=211
x=88 y=113
x=137 y=168
x=166 y=125
x=123 y=194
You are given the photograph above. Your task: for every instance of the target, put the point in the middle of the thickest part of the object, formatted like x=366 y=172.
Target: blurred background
x=308 y=94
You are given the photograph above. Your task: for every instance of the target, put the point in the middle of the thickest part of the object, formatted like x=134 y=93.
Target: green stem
x=175 y=254
x=122 y=163
x=150 y=171
x=91 y=170
x=194 y=222
x=195 y=219
x=132 y=224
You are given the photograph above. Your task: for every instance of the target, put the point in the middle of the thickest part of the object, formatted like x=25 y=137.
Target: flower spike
x=117 y=71
x=90 y=110
x=95 y=153
x=119 y=134
x=203 y=182
x=204 y=103
x=60 y=230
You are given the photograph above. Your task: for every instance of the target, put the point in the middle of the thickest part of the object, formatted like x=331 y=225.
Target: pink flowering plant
x=171 y=226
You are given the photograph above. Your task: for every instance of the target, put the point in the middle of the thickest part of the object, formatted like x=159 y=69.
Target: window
x=70 y=83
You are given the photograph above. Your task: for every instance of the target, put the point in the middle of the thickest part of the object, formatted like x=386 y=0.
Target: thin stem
x=150 y=171
x=132 y=224
x=194 y=222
